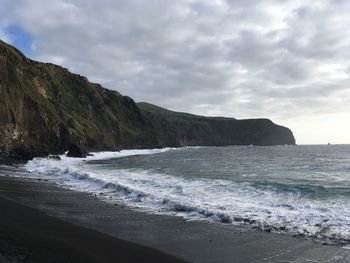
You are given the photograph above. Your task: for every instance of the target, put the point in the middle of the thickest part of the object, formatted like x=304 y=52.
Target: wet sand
x=193 y=241
x=28 y=235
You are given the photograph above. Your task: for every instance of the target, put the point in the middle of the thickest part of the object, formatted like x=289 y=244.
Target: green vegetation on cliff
x=182 y=129
x=44 y=109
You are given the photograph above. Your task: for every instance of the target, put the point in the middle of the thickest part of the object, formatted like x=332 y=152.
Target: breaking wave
x=293 y=209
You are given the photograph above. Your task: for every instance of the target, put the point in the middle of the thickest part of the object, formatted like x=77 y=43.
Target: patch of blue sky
x=19 y=38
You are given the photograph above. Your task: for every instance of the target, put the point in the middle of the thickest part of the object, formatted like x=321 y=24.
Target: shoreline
x=193 y=241
x=28 y=234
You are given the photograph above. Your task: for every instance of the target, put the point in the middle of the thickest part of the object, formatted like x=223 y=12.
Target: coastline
x=30 y=235
x=193 y=241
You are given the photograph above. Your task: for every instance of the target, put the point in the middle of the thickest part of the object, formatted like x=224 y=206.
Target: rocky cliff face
x=44 y=109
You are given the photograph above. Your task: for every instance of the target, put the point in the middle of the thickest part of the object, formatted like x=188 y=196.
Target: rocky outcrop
x=76 y=152
x=44 y=109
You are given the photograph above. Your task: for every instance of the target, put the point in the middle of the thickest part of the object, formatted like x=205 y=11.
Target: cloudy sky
x=284 y=60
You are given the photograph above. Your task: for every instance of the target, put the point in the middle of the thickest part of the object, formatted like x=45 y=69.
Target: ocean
x=302 y=191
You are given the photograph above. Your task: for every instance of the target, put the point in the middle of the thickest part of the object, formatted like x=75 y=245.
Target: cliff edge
x=44 y=109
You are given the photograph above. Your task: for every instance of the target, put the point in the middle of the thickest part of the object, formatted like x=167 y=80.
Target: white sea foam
x=44 y=165
x=226 y=201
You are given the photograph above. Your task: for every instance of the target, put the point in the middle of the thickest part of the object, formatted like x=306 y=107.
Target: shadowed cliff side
x=183 y=129
x=44 y=109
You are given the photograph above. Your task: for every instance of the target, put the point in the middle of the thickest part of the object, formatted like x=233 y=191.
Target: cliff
x=183 y=129
x=44 y=109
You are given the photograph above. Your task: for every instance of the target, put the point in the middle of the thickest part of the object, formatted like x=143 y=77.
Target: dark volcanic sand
x=28 y=235
x=191 y=241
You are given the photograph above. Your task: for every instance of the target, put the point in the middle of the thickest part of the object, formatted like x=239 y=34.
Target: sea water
x=294 y=190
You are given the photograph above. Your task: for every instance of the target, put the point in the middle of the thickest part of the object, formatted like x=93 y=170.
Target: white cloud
x=285 y=60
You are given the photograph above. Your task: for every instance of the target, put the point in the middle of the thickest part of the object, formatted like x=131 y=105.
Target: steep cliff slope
x=44 y=109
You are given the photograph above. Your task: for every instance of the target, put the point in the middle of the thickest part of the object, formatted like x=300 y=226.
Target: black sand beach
x=40 y=222
x=28 y=235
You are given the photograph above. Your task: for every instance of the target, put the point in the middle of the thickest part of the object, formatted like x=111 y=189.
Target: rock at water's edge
x=75 y=151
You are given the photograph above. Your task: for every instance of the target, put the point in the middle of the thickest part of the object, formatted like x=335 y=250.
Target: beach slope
x=29 y=235
x=27 y=232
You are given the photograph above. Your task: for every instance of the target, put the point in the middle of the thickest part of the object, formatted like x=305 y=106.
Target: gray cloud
x=279 y=59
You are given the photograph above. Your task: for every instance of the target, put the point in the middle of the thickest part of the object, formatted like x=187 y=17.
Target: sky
x=288 y=61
